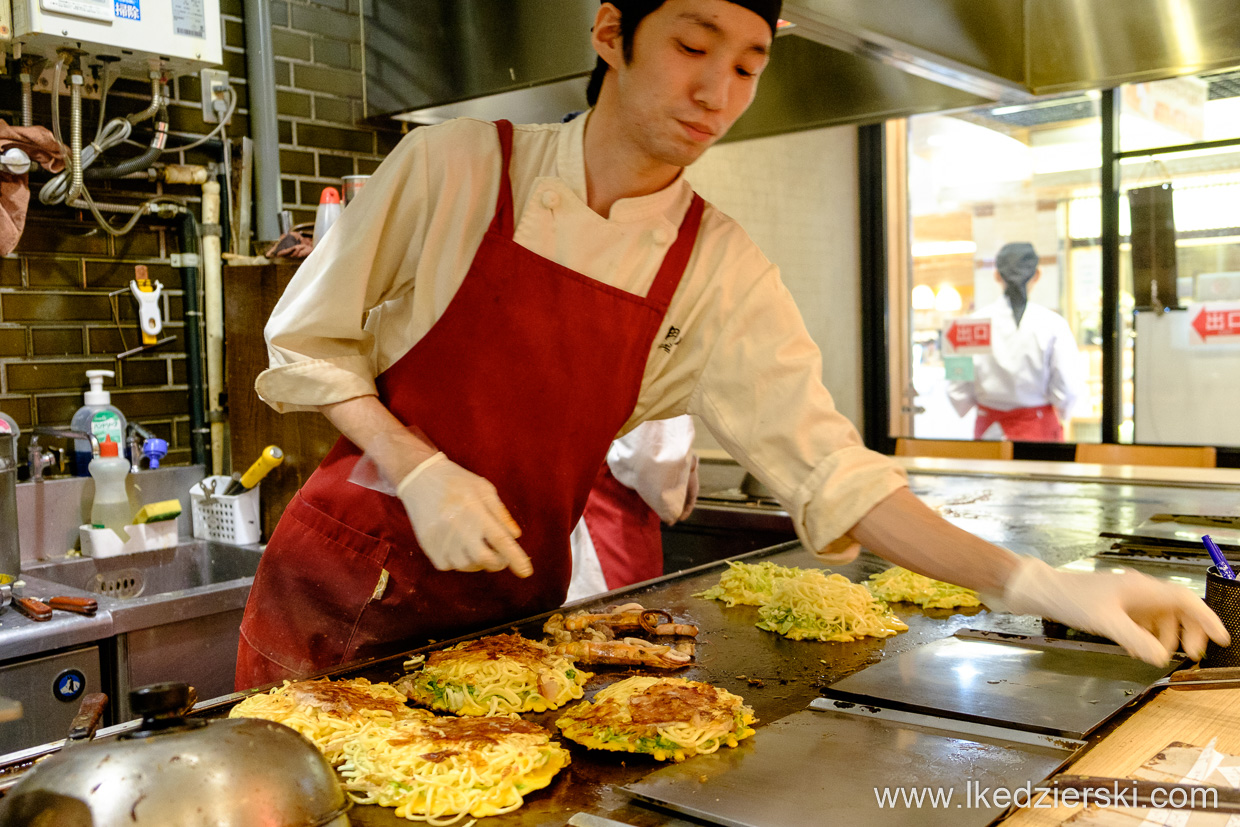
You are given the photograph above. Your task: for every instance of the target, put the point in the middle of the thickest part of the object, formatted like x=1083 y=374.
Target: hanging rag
x=42 y=148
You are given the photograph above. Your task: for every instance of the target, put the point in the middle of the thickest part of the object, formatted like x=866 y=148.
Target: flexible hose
x=27 y=102
x=75 y=137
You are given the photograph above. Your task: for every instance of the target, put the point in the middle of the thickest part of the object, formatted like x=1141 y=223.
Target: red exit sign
x=969 y=335
x=1214 y=320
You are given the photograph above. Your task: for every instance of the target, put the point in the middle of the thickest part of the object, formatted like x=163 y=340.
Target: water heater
x=183 y=36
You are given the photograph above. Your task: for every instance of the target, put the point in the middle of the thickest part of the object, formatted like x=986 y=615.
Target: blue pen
x=1220 y=562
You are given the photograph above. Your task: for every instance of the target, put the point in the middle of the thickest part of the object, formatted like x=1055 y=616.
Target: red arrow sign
x=969 y=333
x=1214 y=321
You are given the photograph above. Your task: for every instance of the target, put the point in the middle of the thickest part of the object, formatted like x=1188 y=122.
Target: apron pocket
x=316 y=577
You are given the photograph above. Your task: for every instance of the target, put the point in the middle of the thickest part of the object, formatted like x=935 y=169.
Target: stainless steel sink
x=188 y=566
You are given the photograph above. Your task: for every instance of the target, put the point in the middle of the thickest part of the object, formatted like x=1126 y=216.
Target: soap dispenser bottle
x=99 y=417
x=110 y=508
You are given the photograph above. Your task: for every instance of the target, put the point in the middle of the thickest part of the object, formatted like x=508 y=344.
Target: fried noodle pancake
x=442 y=769
x=330 y=712
x=669 y=718
x=495 y=675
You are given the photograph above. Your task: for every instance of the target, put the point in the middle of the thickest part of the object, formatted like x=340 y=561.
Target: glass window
x=979 y=180
x=1180 y=111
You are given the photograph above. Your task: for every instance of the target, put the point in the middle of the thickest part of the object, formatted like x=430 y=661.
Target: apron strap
x=677 y=258
x=502 y=223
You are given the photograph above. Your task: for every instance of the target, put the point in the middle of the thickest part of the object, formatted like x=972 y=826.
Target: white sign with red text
x=966 y=337
x=1215 y=323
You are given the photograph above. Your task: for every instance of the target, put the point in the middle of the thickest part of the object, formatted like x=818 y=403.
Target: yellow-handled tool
x=268 y=459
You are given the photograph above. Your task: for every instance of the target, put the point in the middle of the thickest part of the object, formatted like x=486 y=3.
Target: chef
x=501 y=302
x=1032 y=375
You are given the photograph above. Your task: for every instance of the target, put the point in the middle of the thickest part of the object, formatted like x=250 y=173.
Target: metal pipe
x=213 y=288
x=261 y=82
x=76 y=180
x=27 y=100
x=187 y=238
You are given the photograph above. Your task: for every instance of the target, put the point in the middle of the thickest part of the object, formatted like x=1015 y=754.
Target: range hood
x=841 y=62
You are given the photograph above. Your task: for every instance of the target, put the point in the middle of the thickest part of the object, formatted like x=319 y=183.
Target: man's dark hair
x=632 y=12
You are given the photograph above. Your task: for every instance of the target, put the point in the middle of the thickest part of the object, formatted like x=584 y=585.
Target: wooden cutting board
x=1193 y=717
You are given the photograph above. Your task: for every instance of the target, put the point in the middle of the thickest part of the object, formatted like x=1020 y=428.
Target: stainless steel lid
x=180 y=771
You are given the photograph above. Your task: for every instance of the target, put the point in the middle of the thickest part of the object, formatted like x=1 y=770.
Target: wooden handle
x=80 y=605
x=33 y=609
x=90 y=713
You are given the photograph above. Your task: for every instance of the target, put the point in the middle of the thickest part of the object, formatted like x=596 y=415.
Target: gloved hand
x=459 y=520
x=1145 y=616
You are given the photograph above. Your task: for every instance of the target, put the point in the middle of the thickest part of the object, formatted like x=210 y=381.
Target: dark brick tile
x=189 y=88
x=46 y=376
x=339 y=110
x=288 y=192
x=55 y=272
x=180 y=372
x=386 y=141
x=152 y=403
x=184 y=119
x=334 y=166
x=180 y=432
x=66 y=237
x=291 y=44
x=57 y=341
x=234 y=63
x=19 y=409
x=293 y=103
x=283 y=73
x=367 y=166
x=139 y=242
x=234 y=34
x=342 y=82
x=302 y=216
x=232 y=7
x=330 y=137
x=333 y=53
x=56 y=409
x=10 y=272
x=103 y=340
x=176 y=307
x=177 y=456
x=293 y=162
x=312 y=190
x=325 y=22
x=54 y=307
x=339 y=5
x=161 y=428
x=12 y=341
x=107 y=341
x=279 y=13
x=284 y=130
x=138 y=371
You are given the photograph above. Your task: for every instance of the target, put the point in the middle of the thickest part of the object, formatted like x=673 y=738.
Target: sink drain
x=124 y=583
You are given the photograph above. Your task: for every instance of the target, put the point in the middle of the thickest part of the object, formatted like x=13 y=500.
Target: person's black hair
x=632 y=12
x=1017 y=263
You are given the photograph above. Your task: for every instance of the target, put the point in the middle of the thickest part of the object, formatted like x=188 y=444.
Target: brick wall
x=318 y=48
x=56 y=318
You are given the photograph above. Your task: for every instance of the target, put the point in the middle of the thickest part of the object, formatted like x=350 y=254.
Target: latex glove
x=1147 y=617
x=459 y=520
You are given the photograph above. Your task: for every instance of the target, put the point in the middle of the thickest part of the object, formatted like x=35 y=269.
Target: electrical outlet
x=214 y=88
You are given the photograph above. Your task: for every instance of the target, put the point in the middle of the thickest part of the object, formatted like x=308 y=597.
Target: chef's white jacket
x=1029 y=366
x=732 y=349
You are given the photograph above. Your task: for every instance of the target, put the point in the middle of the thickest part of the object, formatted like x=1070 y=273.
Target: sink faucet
x=137 y=436
x=39 y=459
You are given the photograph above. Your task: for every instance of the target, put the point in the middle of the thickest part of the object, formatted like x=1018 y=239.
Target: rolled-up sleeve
x=319 y=349
x=761 y=395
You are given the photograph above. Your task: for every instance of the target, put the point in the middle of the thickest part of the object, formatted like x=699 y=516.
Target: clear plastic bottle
x=327 y=213
x=110 y=508
x=99 y=417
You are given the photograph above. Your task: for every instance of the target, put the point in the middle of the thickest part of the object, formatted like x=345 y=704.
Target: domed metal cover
x=230 y=772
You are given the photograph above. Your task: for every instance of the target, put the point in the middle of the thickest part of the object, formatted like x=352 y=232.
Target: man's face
x=694 y=71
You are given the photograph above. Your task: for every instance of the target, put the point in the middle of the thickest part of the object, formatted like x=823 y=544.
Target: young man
x=499 y=304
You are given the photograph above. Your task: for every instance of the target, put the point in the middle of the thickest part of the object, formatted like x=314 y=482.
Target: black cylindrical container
x=1223 y=596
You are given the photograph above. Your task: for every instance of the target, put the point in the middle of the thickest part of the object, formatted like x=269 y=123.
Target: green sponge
x=156 y=512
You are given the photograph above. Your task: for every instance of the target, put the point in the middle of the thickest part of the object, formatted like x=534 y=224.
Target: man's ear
x=605 y=36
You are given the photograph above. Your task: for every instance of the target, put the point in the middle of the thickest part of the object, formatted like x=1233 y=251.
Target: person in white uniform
x=1032 y=376
x=376 y=332
x=650 y=479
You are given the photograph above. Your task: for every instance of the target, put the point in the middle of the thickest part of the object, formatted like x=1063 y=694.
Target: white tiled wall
x=796 y=195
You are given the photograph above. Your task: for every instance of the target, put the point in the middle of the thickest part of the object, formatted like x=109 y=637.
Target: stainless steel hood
x=842 y=62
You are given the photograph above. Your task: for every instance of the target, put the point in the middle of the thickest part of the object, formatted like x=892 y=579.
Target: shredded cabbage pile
x=899 y=584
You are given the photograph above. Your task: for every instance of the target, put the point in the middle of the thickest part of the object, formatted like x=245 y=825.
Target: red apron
x=625 y=531
x=526 y=378
x=1040 y=424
